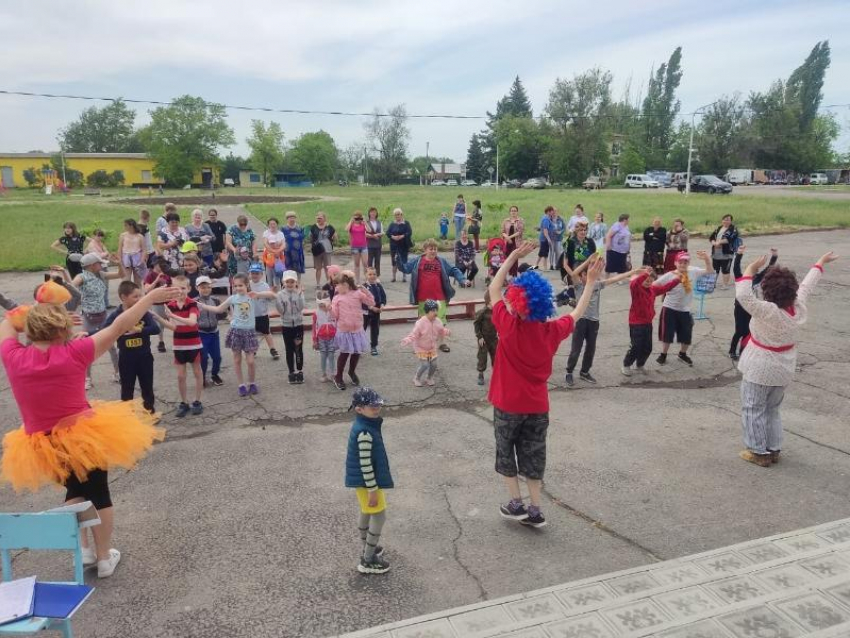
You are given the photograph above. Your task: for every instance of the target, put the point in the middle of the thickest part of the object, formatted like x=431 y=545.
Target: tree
x=578 y=109
x=476 y=161
x=388 y=137
x=350 y=161
x=231 y=165
x=32 y=177
x=185 y=136
x=806 y=82
x=98 y=179
x=631 y=161
x=721 y=135
x=314 y=154
x=102 y=130
x=515 y=104
x=521 y=147
x=266 y=144
x=660 y=108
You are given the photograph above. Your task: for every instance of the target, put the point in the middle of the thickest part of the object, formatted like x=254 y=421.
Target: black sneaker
x=182 y=410
x=292 y=378
x=586 y=377
x=569 y=379
x=733 y=356
x=480 y=378
x=377 y=565
x=197 y=408
x=686 y=359
x=161 y=346
x=217 y=380
x=535 y=520
x=339 y=383
x=354 y=378
x=275 y=354
x=299 y=377
x=374 y=352
x=513 y=511
x=662 y=359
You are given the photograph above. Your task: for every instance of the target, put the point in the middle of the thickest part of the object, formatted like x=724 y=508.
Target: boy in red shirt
x=182 y=317
x=644 y=290
x=518 y=390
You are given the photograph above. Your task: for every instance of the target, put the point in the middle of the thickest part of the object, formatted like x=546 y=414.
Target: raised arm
x=220 y=308
x=498 y=281
x=106 y=338
x=618 y=277
x=705 y=259
x=811 y=279
x=774 y=255
x=593 y=274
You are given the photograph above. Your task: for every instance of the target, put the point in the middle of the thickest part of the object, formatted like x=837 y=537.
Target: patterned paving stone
x=481 y=622
x=814 y=612
x=785 y=577
x=635 y=617
x=633 y=583
x=540 y=609
x=763 y=552
x=737 y=589
x=534 y=632
x=433 y=629
x=679 y=574
x=826 y=566
x=587 y=626
x=802 y=543
x=684 y=603
x=589 y=596
x=702 y=629
x=724 y=563
x=759 y=622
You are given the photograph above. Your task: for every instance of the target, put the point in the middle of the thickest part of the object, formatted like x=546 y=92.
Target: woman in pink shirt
x=66 y=440
x=350 y=339
x=359 y=248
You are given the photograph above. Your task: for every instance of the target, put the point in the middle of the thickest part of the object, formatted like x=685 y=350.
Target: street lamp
x=691 y=148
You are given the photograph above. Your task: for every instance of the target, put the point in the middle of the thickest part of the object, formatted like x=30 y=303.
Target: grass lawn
x=31 y=221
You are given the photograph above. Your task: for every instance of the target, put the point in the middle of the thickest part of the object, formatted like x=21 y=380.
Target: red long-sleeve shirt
x=642 y=310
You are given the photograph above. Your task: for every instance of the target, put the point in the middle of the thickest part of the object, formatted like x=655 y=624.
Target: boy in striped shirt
x=367 y=469
x=182 y=314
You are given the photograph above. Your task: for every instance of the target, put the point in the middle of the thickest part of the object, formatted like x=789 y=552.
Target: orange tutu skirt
x=110 y=434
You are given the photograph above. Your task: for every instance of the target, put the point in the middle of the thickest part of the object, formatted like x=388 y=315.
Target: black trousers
x=641 y=346
x=293 y=343
x=585 y=335
x=137 y=366
x=372 y=321
x=742 y=327
x=488 y=349
x=373 y=259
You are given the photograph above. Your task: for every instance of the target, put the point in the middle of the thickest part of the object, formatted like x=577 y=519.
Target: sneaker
x=733 y=356
x=445 y=348
x=640 y=370
x=105 y=568
x=275 y=354
x=89 y=556
x=374 y=352
x=197 y=408
x=253 y=389
x=626 y=370
x=161 y=346
x=377 y=565
x=686 y=359
x=243 y=391
x=417 y=382
x=514 y=511
x=534 y=520
x=217 y=380
x=586 y=376
x=774 y=456
x=182 y=410
x=354 y=378
x=292 y=378
x=662 y=359
x=481 y=378
x=88 y=383
x=299 y=377
x=325 y=378
x=569 y=379
x=339 y=383
x=762 y=460
x=430 y=381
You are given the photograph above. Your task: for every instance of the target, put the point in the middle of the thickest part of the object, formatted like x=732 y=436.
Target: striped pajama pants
x=760 y=416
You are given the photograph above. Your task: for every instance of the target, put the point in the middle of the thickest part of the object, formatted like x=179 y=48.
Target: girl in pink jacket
x=427 y=334
x=350 y=339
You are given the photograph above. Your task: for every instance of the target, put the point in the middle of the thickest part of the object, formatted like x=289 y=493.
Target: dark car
x=710 y=184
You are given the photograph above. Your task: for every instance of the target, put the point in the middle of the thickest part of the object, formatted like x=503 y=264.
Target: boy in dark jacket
x=372 y=315
x=367 y=469
x=487 y=336
x=208 y=327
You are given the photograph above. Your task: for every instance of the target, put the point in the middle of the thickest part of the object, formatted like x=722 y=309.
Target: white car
x=468 y=182
x=487 y=184
x=641 y=180
x=451 y=182
x=818 y=179
x=534 y=183
x=438 y=182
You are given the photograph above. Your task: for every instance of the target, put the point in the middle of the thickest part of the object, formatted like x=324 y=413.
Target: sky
x=437 y=57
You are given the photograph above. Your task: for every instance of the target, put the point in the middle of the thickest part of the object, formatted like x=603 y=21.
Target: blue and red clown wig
x=531 y=297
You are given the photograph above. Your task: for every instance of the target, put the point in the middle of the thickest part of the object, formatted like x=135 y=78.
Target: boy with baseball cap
x=367 y=470
x=208 y=329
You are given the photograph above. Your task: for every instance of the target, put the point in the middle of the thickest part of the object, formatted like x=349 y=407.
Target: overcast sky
x=436 y=57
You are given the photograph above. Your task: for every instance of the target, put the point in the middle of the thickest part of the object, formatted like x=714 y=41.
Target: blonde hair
x=48 y=322
x=429 y=243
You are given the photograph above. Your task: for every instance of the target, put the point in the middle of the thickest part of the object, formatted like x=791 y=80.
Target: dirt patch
x=221 y=200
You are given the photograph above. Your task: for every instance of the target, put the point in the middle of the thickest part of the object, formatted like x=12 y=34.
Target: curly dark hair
x=779 y=286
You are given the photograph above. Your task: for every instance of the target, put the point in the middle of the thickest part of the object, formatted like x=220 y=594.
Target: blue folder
x=57 y=600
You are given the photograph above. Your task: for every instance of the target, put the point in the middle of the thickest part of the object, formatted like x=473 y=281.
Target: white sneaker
x=627 y=371
x=89 y=556
x=640 y=369
x=106 y=567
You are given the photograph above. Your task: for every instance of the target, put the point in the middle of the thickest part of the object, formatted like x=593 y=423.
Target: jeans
x=372 y=321
x=460 y=222
x=760 y=417
x=211 y=349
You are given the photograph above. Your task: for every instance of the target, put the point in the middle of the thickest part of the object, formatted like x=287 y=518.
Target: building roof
x=446 y=169
x=77 y=155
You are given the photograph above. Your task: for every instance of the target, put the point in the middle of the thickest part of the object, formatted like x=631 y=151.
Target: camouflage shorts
x=520 y=443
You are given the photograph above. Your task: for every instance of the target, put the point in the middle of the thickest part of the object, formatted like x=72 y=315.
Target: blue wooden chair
x=44 y=530
x=705 y=285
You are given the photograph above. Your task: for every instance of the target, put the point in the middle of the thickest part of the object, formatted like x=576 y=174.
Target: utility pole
x=427 y=160
x=365 y=167
x=691 y=148
x=497 y=166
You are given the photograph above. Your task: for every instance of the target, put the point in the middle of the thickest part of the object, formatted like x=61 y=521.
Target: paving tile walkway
x=784 y=586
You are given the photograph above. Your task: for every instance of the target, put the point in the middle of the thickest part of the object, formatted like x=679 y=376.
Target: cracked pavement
x=239 y=524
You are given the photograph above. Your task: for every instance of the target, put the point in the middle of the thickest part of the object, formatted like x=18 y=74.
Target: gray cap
x=89 y=259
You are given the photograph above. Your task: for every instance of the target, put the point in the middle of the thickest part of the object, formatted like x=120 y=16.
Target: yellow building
x=137 y=167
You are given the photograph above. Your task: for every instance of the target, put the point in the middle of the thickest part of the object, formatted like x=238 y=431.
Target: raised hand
x=164 y=294
x=828 y=258
x=524 y=249
x=595 y=270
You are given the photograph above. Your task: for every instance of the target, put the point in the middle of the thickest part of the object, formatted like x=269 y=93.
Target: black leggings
x=742 y=327
x=340 y=363
x=137 y=366
x=293 y=343
x=372 y=321
x=95 y=489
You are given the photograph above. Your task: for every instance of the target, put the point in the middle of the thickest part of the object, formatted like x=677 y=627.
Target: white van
x=641 y=180
x=818 y=179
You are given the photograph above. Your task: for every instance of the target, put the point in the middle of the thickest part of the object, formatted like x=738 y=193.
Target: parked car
x=710 y=184
x=535 y=182
x=640 y=180
x=487 y=184
x=593 y=183
x=438 y=182
x=512 y=183
x=468 y=182
x=451 y=182
x=664 y=178
x=818 y=179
